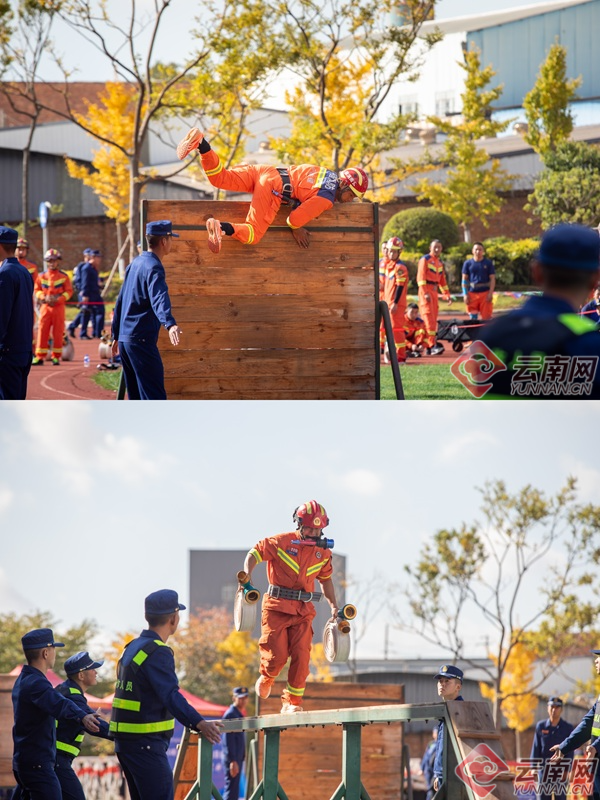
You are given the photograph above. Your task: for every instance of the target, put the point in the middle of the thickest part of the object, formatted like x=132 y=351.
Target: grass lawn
x=425 y=382
x=108 y=380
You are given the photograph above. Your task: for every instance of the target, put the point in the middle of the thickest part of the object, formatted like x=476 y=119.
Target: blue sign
x=43 y=215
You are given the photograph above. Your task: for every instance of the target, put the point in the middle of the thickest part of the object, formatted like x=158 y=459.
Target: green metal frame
x=352 y=721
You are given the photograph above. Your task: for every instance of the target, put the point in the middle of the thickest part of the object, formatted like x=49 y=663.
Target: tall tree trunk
x=133 y=223
x=518 y=744
x=467 y=230
x=25 y=177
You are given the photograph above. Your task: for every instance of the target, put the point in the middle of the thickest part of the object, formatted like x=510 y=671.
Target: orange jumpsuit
x=30 y=267
x=56 y=283
x=393 y=279
x=430 y=276
x=286 y=625
x=414 y=331
x=314 y=187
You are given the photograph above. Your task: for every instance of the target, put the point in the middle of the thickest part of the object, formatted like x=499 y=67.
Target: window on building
x=409 y=105
x=444 y=104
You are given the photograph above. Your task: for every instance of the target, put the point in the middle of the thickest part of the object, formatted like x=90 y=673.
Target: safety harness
x=285 y=195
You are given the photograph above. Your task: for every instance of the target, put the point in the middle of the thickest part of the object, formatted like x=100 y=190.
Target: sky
x=100 y=503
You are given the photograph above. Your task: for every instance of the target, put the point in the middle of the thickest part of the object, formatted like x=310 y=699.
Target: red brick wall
x=52 y=95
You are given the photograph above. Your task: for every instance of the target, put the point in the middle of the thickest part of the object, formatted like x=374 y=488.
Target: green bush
x=418 y=226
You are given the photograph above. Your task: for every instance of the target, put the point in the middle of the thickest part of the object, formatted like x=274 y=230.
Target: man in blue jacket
x=143 y=305
x=234 y=746
x=81 y=674
x=146 y=701
x=37 y=706
x=449 y=685
x=588 y=728
x=16 y=319
x=91 y=296
x=549 y=732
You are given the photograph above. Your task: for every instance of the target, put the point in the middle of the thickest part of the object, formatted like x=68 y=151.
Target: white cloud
x=6 y=498
x=10 y=600
x=467 y=445
x=361 y=481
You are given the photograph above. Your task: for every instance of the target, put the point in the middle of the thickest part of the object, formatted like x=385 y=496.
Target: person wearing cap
x=588 y=730
x=393 y=289
x=234 y=746
x=547 y=336
x=146 y=701
x=77 y=321
x=81 y=674
x=92 y=305
x=142 y=307
x=549 y=732
x=52 y=289
x=22 y=253
x=16 y=319
x=37 y=706
x=449 y=685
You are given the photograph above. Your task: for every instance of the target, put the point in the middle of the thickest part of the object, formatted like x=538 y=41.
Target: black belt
x=286 y=189
x=281 y=593
x=431 y=283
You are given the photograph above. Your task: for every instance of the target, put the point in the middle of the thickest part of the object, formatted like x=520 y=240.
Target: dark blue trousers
x=143 y=369
x=148 y=775
x=37 y=783
x=14 y=370
x=231 y=790
x=69 y=782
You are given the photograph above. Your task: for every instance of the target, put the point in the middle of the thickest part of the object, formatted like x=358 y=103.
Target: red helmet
x=356 y=178
x=22 y=242
x=395 y=243
x=52 y=255
x=311 y=514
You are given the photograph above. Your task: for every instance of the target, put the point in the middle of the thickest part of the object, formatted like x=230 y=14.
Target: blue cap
x=240 y=691
x=41 y=637
x=165 y=601
x=573 y=246
x=161 y=227
x=80 y=662
x=449 y=671
x=555 y=701
x=87 y=252
x=95 y=253
x=596 y=652
x=139 y=244
x=8 y=235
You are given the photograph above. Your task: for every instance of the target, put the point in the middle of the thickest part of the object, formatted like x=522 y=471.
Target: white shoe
x=263 y=687
x=189 y=142
x=213 y=227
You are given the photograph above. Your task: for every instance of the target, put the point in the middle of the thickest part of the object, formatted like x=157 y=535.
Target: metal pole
x=389 y=335
x=270 y=764
x=351 y=760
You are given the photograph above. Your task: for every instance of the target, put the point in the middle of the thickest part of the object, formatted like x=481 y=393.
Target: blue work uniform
x=476 y=274
x=147 y=697
x=16 y=329
x=234 y=749
x=582 y=734
x=37 y=706
x=438 y=761
x=544 y=326
x=69 y=736
x=90 y=288
x=592 y=311
x=427 y=767
x=143 y=305
x=545 y=737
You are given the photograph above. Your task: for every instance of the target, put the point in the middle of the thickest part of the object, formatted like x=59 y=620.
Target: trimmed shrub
x=418 y=226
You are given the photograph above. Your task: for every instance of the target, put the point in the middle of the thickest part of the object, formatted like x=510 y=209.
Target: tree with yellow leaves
x=517 y=702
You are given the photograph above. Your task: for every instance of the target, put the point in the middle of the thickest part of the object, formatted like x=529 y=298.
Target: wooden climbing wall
x=272 y=321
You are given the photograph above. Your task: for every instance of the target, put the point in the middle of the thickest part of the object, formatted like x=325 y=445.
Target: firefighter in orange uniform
x=22 y=253
x=430 y=277
x=414 y=331
x=395 y=288
x=293 y=561
x=308 y=191
x=52 y=289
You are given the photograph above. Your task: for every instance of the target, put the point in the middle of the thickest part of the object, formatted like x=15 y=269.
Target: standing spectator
x=449 y=680
x=549 y=732
x=22 y=253
x=16 y=319
x=591 y=310
x=81 y=674
x=478 y=283
x=395 y=288
x=547 y=334
x=36 y=707
x=143 y=305
x=52 y=289
x=234 y=746
x=146 y=700
x=430 y=277
x=77 y=321
x=92 y=305
x=414 y=331
x=293 y=561
x=427 y=764
x=588 y=729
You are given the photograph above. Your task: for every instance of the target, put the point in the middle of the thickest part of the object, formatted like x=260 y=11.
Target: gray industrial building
x=213 y=583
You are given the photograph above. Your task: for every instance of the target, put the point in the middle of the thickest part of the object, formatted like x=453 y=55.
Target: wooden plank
x=280 y=309
x=221 y=389
x=267 y=282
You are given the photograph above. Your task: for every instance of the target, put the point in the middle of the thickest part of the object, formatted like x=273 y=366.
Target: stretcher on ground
x=458 y=332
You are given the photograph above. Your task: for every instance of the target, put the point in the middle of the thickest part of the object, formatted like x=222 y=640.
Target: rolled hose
x=336 y=643
x=251 y=594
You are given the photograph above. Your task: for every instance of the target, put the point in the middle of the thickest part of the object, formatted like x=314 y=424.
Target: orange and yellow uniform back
x=315 y=188
x=56 y=284
x=286 y=625
x=394 y=280
x=430 y=277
